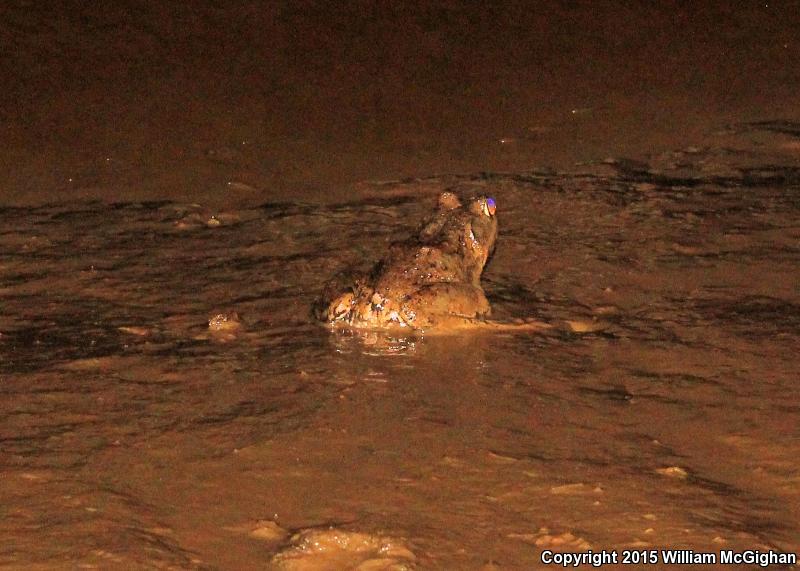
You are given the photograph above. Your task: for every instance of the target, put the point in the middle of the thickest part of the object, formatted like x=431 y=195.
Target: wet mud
x=169 y=402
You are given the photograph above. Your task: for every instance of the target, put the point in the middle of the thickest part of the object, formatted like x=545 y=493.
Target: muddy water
x=142 y=100
x=663 y=414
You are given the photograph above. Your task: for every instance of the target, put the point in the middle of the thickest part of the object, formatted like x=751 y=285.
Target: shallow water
x=665 y=415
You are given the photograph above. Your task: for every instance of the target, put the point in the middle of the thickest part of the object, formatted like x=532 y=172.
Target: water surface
x=132 y=437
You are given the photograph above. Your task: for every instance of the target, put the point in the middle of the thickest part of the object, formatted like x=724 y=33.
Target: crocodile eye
x=489 y=206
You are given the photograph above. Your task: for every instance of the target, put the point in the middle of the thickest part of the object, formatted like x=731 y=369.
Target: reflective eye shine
x=490 y=206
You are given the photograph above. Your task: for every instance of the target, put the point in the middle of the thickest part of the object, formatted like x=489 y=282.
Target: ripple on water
x=135 y=436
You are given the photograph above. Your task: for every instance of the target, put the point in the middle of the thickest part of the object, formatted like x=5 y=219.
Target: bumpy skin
x=430 y=281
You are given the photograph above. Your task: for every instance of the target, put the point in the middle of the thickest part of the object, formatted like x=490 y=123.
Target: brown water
x=141 y=100
x=162 y=163
x=134 y=438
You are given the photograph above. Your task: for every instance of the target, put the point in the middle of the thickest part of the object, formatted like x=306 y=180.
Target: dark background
x=131 y=99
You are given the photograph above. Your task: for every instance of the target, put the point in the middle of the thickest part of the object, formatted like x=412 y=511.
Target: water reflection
x=661 y=417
